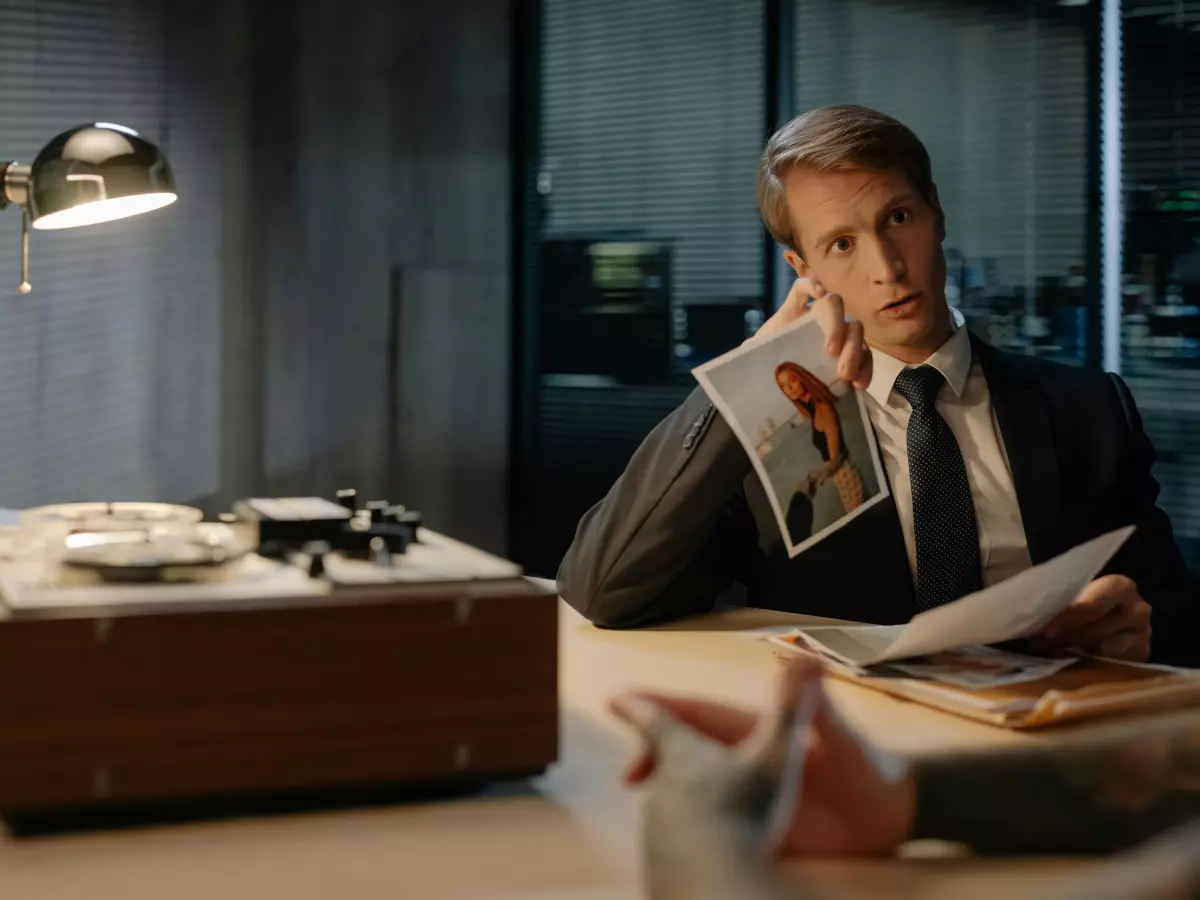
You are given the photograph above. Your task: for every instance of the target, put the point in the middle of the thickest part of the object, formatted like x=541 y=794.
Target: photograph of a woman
x=806 y=432
x=816 y=403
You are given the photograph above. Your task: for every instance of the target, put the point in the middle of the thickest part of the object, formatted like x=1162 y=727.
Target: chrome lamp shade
x=96 y=173
x=93 y=173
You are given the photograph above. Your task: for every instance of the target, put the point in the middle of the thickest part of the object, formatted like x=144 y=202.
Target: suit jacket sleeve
x=673 y=532
x=1151 y=557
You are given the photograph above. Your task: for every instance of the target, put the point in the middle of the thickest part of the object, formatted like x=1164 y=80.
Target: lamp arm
x=25 y=287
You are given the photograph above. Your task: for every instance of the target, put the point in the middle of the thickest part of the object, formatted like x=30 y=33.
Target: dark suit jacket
x=689 y=522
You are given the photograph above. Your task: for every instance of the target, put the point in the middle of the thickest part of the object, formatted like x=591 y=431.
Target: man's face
x=871 y=238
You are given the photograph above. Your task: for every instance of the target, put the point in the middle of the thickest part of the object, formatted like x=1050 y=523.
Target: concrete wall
x=333 y=159
x=367 y=189
x=109 y=370
x=453 y=245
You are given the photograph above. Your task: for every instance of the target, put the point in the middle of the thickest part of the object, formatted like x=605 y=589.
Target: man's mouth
x=901 y=306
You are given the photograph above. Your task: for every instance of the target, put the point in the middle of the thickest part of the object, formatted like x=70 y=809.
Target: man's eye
x=900 y=216
x=841 y=245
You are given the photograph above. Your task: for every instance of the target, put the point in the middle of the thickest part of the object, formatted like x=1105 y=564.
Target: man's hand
x=842 y=339
x=1109 y=618
x=847 y=806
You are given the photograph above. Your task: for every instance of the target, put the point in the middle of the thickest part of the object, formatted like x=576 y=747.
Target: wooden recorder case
x=118 y=702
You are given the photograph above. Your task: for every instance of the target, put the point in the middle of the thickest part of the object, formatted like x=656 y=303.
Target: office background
x=651 y=115
x=465 y=254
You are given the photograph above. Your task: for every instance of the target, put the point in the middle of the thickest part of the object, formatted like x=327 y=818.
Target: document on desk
x=1017 y=607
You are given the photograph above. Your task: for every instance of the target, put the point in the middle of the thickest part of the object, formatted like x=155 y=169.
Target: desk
x=571 y=835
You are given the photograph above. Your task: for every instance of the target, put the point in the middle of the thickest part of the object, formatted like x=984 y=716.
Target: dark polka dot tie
x=943 y=514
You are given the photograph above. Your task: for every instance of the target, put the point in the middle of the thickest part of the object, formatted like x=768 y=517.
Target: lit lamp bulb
x=94 y=173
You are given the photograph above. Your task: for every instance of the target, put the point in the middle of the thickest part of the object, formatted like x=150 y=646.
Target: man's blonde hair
x=835 y=137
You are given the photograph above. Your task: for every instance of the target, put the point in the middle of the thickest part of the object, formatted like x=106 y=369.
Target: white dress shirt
x=966 y=405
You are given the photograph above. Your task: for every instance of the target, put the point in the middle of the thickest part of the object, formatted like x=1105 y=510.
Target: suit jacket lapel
x=1029 y=444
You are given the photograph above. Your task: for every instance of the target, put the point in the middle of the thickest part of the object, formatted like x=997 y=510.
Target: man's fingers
x=801 y=291
x=804 y=669
x=1073 y=618
x=641 y=768
x=726 y=724
x=794 y=307
x=831 y=313
x=1130 y=645
x=851 y=359
x=1119 y=618
x=1093 y=603
x=810 y=287
x=644 y=714
x=1085 y=636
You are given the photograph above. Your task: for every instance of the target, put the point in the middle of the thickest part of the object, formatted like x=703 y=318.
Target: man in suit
x=995 y=461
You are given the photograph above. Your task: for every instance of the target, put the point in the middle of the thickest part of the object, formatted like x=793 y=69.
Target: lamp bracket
x=14 y=188
x=15 y=179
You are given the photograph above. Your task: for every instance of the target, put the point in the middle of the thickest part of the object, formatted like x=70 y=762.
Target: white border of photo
x=779 y=348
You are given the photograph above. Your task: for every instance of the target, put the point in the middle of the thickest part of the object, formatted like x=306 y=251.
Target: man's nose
x=887 y=262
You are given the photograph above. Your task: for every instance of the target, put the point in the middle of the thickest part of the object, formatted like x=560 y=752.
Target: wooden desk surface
x=572 y=835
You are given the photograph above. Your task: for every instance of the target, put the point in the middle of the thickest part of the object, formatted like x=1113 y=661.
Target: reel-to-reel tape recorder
x=295 y=643
x=125 y=540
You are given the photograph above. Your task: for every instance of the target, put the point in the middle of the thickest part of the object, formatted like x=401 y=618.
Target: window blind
x=108 y=370
x=651 y=120
x=1161 y=254
x=998 y=94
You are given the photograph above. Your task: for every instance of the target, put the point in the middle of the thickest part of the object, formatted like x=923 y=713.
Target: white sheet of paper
x=1014 y=608
x=848 y=644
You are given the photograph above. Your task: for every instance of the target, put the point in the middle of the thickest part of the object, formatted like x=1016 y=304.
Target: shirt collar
x=952 y=359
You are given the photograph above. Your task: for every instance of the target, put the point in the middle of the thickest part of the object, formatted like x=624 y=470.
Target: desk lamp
x=93 y=173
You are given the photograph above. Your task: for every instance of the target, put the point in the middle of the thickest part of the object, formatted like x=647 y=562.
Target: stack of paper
x=946 y=643
x=939 y=659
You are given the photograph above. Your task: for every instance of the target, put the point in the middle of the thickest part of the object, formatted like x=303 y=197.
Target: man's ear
x=799 y=266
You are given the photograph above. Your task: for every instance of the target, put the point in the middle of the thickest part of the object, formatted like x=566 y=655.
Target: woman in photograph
x=816 y=403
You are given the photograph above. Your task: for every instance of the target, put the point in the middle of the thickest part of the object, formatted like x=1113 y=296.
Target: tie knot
x=919 y=386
